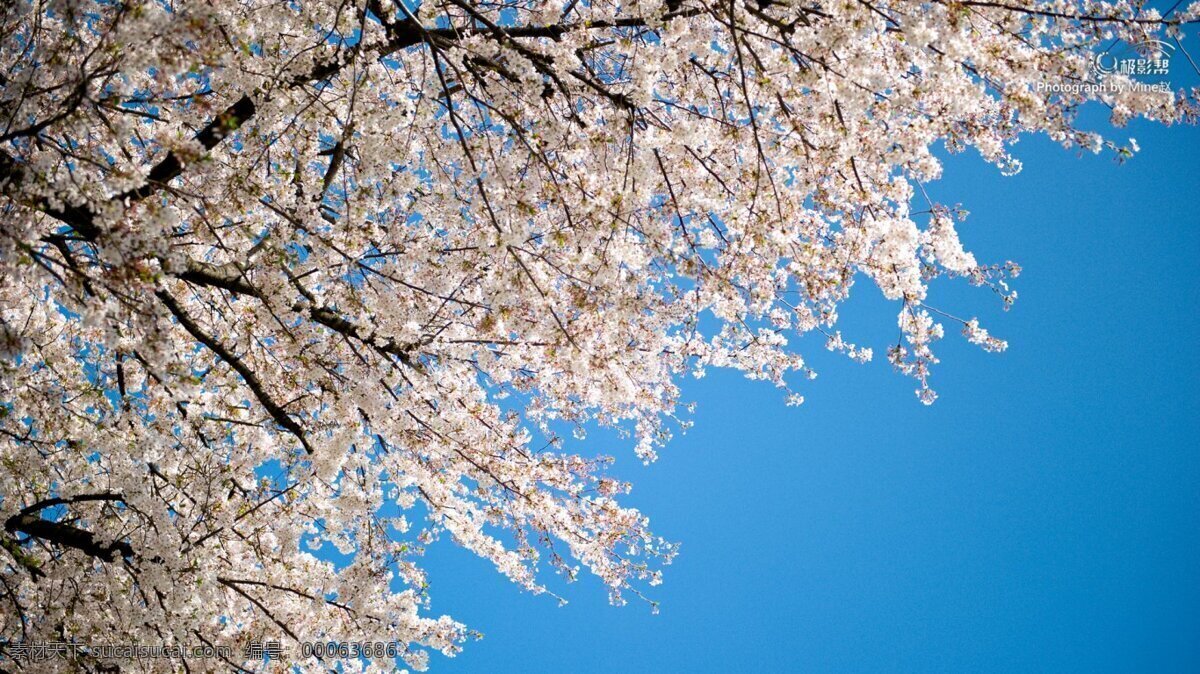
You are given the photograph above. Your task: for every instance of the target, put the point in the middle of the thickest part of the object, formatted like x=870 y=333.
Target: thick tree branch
x=277 y=413
x=65 y=535
x=204 y=274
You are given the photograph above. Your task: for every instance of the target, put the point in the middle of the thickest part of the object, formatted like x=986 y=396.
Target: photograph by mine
x=594 y=336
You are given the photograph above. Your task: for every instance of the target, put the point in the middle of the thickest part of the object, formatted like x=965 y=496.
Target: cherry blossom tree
x=289 y=290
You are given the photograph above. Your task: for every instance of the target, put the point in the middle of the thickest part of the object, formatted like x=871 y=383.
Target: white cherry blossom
x=291 y=291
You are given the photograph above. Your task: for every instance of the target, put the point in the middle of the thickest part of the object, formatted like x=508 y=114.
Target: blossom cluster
x=289 y=291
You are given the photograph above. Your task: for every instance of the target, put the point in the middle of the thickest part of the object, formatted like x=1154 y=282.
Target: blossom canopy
x=290 y=290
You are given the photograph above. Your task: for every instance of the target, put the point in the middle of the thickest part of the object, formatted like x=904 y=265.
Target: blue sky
x=1041 y=516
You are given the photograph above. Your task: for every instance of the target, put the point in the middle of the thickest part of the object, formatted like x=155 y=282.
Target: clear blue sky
x=1041 y=516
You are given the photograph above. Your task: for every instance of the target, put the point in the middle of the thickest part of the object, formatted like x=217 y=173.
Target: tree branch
x=65 y=535
x=277 y=413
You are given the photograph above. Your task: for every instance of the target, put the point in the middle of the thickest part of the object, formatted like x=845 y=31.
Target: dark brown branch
x=204 y=274
x=83 y=498
x=64 y=535
x=68 y=536
x=1050 y=14
x=213 y=133
x=277 y=413
x=233 y=586
x=402 y=34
